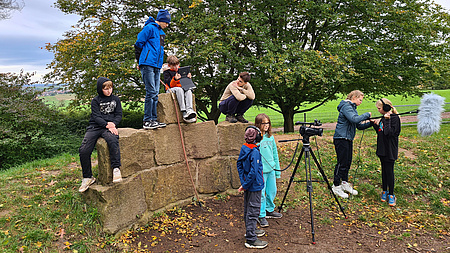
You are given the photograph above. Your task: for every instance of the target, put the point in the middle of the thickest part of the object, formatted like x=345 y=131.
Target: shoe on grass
x=347 y=187
x=392 y=200
x=258 y=244
x=86 y=183
x=383 y=196
x=273 y=215
x=338 y=191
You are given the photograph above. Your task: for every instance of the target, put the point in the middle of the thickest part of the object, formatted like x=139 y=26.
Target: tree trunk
x=288 y=117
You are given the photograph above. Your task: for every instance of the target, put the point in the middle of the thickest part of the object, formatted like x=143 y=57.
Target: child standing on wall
x=250 y=170
x=271 y=169
x=106 y=113
x=388 y=129
x=172 y=82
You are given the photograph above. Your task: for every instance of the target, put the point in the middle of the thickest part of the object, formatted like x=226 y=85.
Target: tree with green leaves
x=300 y=52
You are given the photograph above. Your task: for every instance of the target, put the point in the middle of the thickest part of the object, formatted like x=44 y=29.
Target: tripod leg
x=328 y=183
x=291 y=180
x=309 y=189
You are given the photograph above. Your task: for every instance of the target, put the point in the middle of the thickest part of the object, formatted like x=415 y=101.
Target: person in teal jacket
x=271 y=170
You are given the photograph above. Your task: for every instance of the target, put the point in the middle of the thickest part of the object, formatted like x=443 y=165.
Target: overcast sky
x=26 y=32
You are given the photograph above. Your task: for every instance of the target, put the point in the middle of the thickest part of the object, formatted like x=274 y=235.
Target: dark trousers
x=232 y=106
x=344 y=151
x=88 y=144
x=252 y=206
x=387 y=175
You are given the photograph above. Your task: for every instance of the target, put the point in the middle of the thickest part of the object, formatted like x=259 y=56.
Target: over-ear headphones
x=386 y=107
x=258 y=136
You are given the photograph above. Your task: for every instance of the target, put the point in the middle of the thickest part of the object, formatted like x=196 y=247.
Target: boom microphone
x=429 y=116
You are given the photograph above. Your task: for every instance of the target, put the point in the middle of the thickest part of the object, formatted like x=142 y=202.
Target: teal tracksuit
x=269 y=154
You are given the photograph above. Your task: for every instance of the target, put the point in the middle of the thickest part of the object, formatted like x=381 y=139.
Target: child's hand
x=241 y=189
x=189 y=75
x=177 y=76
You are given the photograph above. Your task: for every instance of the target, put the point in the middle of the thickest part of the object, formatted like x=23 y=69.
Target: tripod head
x=306 y=131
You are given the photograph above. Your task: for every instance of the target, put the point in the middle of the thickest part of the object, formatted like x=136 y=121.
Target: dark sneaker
x=258 y=244
x=273 y=215
x=231 y=119
x=159 y=124
x=259 y=232
x=241 y=118
x=263 y=222
x=150 y=125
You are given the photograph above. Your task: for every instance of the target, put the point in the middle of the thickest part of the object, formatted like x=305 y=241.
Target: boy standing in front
x=106 y=113
x=250 y=171
x=149 y=52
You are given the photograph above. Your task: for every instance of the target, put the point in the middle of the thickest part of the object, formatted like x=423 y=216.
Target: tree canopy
x=299 y=52
x=7 y=6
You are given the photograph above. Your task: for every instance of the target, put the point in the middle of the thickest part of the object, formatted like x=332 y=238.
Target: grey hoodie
x=349 y=120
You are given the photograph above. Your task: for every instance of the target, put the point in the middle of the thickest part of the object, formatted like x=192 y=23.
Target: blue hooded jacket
x=349 y=120
x=149 y=46
x=250 y=168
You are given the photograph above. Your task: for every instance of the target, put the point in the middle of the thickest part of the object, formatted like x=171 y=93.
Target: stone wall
x=154 y=170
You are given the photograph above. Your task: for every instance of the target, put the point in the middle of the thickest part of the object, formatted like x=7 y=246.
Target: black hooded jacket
x=104 y=109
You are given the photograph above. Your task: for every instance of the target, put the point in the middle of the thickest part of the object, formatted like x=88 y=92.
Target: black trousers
x=88 y=144
x=233 y=106
x=344 y=152
x=387 y=174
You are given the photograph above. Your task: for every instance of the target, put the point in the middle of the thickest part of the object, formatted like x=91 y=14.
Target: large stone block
x=119 y=205
x=235 y=181
x=231 y=137
x=168 y=148
x=200 y=139
x=167 y=184
x=166 y=108
x=137 y=152
x=214 y=175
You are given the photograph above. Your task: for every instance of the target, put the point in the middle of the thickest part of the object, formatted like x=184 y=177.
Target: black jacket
x=388 y=131
x=104 y=109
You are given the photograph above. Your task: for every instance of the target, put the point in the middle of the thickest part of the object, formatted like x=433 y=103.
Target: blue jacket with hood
x=104 y=109
x=149 y=46
x=250 y=168
x=349 y=120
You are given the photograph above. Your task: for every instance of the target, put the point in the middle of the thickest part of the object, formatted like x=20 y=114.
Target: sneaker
x=259 y=232
x=348 y=188
x=150 y=125
x=392 y=200
x=383 y=196
x=263 y=222
x=258 y=244
x=274 y=215
x=160 y=124
x=190 y=114
x=117 y=176
x=86 y=183
x=338 y=191
x=193 y=120
x=230 y=118
x=241 y=118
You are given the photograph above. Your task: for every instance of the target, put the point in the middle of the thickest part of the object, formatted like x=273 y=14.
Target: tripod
x=306 y=149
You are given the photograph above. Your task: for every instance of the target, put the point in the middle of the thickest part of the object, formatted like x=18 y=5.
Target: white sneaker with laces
x=86 y=183
x=117 y=176
x=338 y=191
x=348 y=188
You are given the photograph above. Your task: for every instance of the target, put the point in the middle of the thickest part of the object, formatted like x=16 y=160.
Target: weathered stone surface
x=214 y=175
x=104 y=164
x=166 y=108
x=120 y=205
x=167 y=184
x=200 y=139
x=231 y=137
x=168 y=148
x=235 y=181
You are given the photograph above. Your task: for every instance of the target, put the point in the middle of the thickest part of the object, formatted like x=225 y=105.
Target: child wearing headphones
x=271 y=170
x=250 y=171
x=388 y=129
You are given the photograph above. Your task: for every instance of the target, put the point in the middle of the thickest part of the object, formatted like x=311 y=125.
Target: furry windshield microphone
x=429 y=116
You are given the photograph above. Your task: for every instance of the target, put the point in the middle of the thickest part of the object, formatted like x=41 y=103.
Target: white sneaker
x=348 y=188
x=338 y=191
x=86 y=183
x=117 y=176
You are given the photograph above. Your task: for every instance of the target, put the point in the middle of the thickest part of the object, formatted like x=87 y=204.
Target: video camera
x=308 y=131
